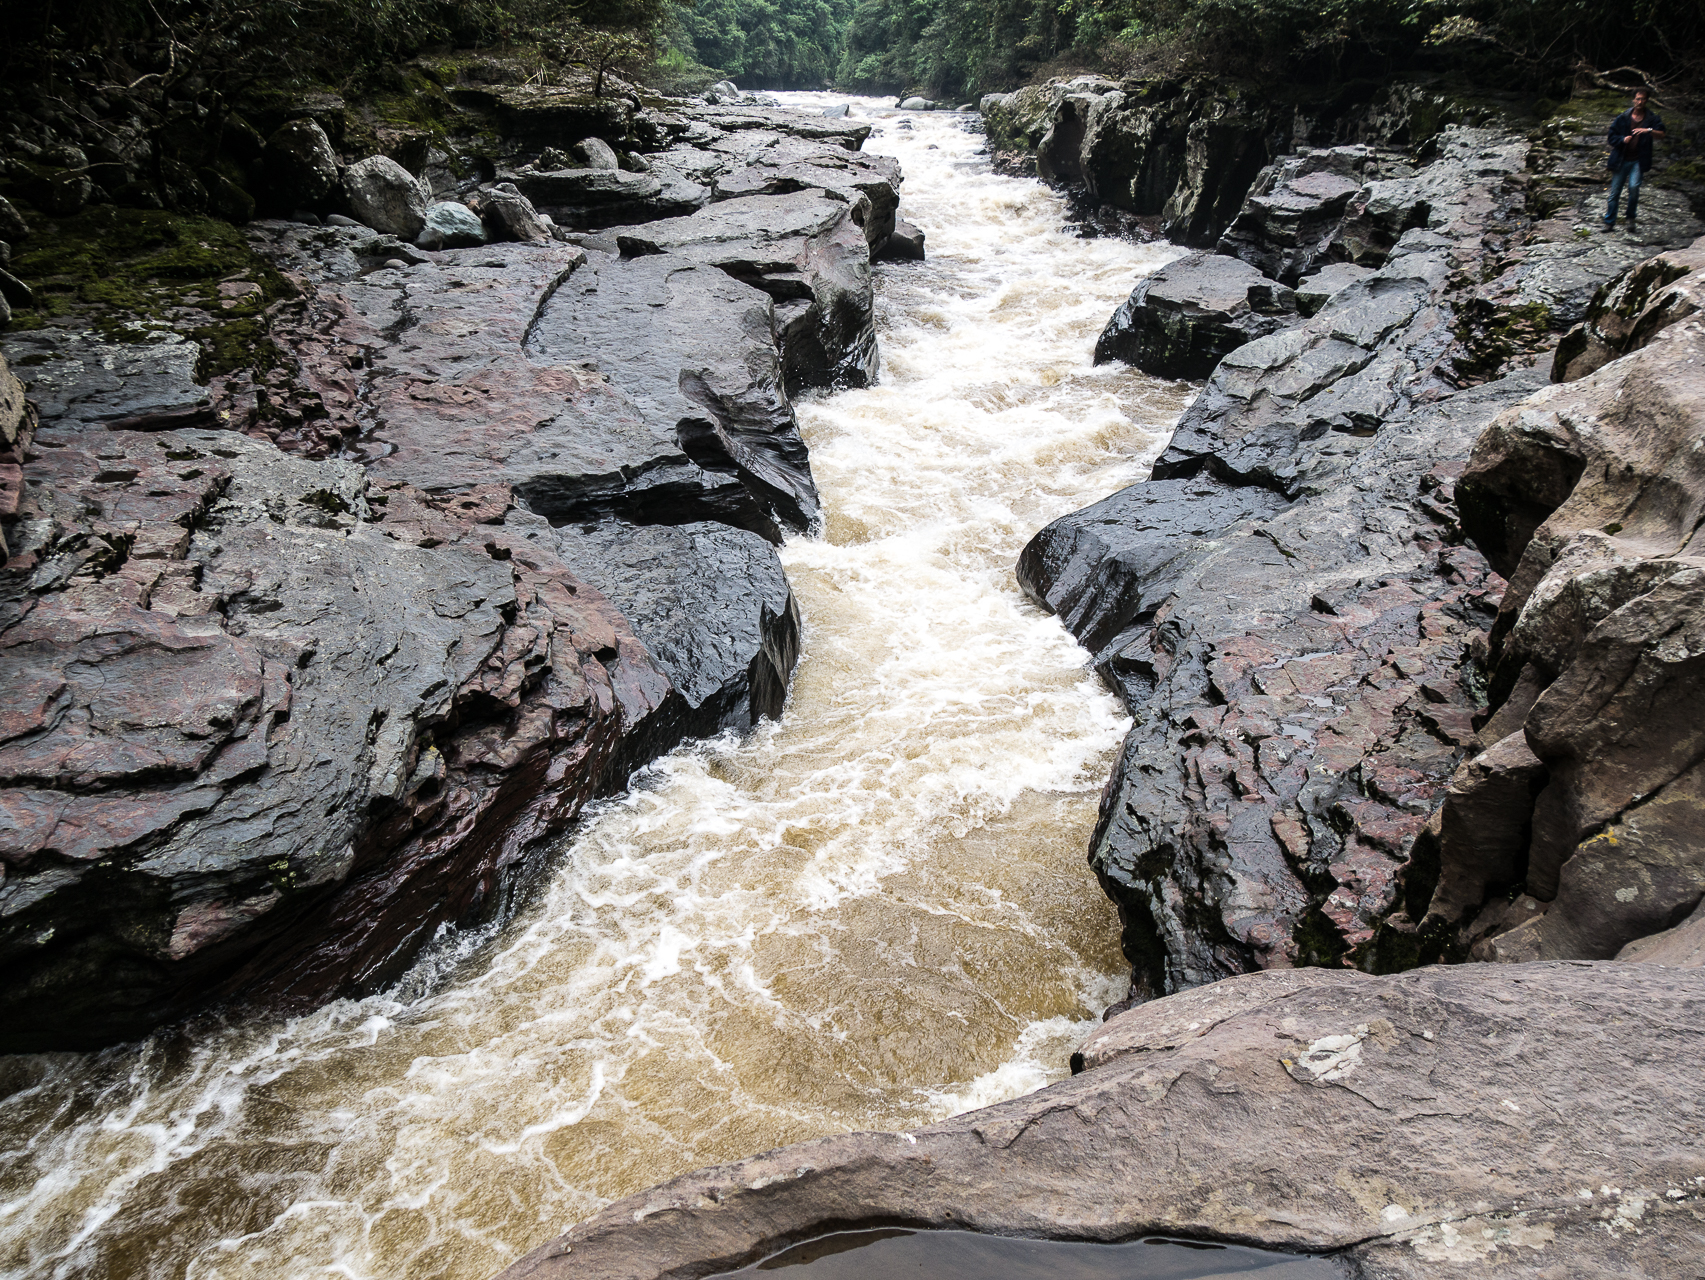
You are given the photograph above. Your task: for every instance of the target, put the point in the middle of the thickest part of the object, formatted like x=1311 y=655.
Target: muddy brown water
x=871 y=915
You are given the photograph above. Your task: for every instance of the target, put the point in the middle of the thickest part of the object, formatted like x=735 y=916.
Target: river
x=873 y=914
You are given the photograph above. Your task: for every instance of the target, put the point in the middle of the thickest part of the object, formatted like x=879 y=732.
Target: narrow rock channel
x=872 y=914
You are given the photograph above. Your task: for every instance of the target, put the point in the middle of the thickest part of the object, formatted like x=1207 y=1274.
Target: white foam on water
x=873 y=914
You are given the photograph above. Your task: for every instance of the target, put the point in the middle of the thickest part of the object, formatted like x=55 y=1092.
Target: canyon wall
x=1382 y=613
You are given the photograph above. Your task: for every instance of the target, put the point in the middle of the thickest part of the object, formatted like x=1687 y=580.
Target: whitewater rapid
x=873 y=914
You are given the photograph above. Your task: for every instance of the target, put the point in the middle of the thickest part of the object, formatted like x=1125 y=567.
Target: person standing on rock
x=1631 y=136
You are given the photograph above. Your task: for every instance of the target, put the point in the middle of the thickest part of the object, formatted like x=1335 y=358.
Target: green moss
x=1319 y=944
x=129 y=273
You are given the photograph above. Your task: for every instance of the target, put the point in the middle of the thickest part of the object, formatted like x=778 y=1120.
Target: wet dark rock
x=1574 y=1154
x=712 y=606
x=1186 y=156
x=80 y=378
x=905 y=244
x=1282 y=411
x=257 y=727
x=1289 y=613
x=582 y=198
x=869 y=184
x=301 y=168
x=1315 y=291
x=279 y=717
x=808 y=252
x=1180 y=321
x=1294 y=209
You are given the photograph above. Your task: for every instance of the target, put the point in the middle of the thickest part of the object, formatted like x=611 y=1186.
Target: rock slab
x=1521 y=1122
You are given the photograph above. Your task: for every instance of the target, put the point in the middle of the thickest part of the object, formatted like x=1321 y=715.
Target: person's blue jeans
x=1626 y=176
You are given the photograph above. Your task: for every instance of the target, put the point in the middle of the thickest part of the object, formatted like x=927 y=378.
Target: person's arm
x=1620 y=130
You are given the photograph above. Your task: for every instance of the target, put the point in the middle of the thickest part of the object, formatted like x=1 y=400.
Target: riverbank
x=870 y=913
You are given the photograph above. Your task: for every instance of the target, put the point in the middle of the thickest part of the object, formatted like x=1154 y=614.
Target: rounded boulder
x=301 y=169
x=386 y=196
x=450 y=225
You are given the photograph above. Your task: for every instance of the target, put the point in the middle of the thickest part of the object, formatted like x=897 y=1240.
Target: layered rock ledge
x=1311 y=635
x=310 y=661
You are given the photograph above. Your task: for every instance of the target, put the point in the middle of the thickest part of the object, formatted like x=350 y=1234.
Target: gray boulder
x=301 y=168
x=451 y=225
x=906 y=244
x=1294 y=209
x=385 y=196
x=509 y=215
x=1447 y=1124
x=916 y=104
x=836 y=112
x=727 y=90
x=595 y=153
x=1182 y=320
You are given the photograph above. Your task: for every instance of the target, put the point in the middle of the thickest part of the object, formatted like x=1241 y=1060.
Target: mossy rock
x=130 y=273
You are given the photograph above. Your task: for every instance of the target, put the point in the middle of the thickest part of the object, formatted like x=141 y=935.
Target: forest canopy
x=952 y=49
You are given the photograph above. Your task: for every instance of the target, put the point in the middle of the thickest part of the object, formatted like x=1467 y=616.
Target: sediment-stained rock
x=1373 y=1119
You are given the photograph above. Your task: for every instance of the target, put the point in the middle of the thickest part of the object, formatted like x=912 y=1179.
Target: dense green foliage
x=950 y=48
x=768 y=44
x=228 y=42
x=944 y=48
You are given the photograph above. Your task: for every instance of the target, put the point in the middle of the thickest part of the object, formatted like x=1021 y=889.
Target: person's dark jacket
x=1624 y=125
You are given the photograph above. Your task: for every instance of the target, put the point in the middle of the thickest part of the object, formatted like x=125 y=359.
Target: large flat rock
x=809 y=252
x=1519 y=1122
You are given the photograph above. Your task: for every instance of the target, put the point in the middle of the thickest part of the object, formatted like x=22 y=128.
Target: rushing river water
x=873 y=914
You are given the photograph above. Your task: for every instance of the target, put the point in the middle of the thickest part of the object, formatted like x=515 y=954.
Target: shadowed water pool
x=894 y=1254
